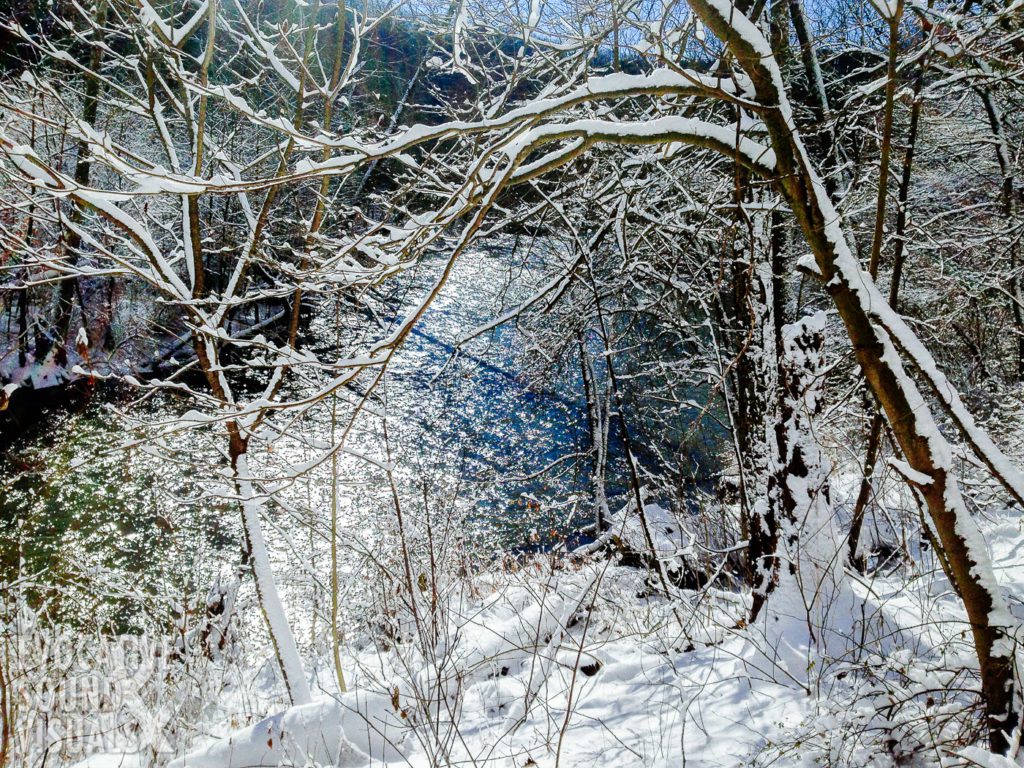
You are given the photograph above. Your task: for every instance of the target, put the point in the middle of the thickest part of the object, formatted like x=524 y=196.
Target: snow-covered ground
x=542 y=667
x=559 y=661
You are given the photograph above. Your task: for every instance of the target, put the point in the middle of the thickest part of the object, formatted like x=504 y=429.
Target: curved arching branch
x=584 y=134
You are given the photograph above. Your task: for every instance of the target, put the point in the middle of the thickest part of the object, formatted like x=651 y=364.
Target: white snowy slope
x=535 y=674
x=557 y=662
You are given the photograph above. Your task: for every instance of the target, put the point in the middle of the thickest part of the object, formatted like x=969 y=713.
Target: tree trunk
x=73 y=241
x=1008 y=205
x=857 y=559
x=596 y=432
x=874 y=331
x=811 y=595
x=757 y=384
x=281 y=636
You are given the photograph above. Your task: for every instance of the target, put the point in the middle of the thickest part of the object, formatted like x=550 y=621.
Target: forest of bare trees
x=483 y=383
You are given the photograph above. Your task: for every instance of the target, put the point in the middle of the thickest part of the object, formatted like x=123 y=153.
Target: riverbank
x=551 y=662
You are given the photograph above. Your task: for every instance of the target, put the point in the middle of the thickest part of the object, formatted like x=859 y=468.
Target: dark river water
x=470 y=420
x=139 y=518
